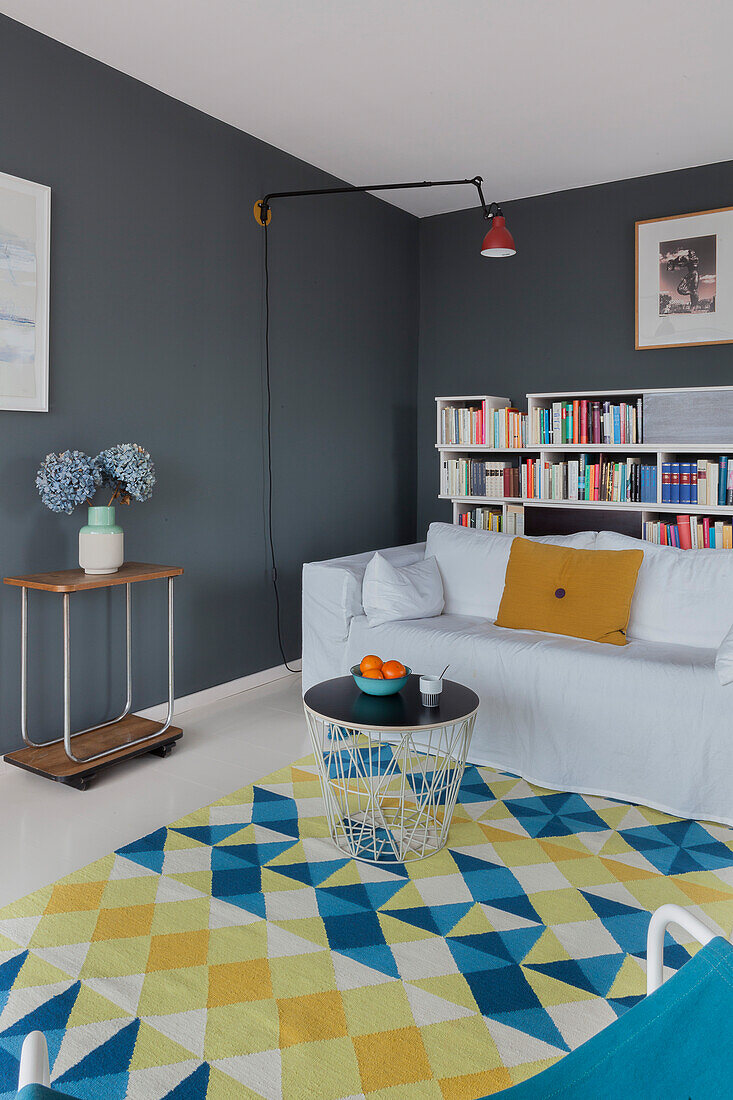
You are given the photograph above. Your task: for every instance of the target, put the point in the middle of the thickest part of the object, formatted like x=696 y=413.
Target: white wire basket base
x=389 y=796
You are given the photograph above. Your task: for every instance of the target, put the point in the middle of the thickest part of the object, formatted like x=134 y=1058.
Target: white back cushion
x=682 y=596
x=473 y=564
x=390 y=593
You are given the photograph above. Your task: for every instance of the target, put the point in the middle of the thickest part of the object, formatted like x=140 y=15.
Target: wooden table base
x=51 y=761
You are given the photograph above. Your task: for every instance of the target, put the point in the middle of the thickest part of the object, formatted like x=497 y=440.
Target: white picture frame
x=25 y=272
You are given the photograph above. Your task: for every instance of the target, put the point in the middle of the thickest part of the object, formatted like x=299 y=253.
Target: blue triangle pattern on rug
x=9 y=1066
x=210 y=834
x=474 y=787
x=149 y=851
x=503 y=993
x=9 y=971
x=106 y=1067
x=313 y=873
x=594 y=975
x=192 y=1087
x=678 y=847
x=495 y=885
x=555 y=815
x=276 y=811
x=377 y=956
x=493 y=949
x=438 y=919
x=629 y=927
x=623 y=1004
x=254 y=855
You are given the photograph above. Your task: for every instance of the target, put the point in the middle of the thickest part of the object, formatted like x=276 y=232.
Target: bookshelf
x=667 y=426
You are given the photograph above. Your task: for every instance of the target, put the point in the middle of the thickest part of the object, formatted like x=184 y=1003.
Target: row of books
x=483 y=425
x=690 y=533
x=478 y=477
x=488 y=519
x=630 y=481
x=700 y=481
x=583 y=421
x=482 y=519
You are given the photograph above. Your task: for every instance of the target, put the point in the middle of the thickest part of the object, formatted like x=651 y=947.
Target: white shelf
x=629 y=506
x=595 y=448
x=629 y=392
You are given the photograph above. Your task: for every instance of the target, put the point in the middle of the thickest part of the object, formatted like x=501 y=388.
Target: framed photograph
x=684 y=280
x=25 y=241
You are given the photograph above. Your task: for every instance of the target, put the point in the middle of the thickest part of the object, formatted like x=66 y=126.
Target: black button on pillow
x=559 y=592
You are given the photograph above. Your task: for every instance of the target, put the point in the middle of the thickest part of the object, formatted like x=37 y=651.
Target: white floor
x=48 y=830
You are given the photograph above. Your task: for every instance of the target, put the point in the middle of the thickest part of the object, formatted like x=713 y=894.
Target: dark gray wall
x=156 y=337
x=557 y=316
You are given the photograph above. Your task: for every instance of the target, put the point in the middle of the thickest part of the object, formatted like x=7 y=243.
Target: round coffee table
x=389 y=767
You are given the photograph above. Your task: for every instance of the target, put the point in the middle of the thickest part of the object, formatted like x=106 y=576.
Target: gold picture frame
x=683 y=264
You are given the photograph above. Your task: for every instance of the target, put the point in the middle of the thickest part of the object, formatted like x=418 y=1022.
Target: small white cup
x=430 y=690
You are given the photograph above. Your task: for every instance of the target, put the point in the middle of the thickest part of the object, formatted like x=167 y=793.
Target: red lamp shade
x=498 y=241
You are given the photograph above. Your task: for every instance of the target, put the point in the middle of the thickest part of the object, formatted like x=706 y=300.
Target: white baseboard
x=221 y=691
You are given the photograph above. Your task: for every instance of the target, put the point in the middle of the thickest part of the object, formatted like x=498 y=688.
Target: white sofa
x=649 y=722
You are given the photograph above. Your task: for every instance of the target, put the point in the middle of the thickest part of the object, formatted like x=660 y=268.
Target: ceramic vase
x=101 y=542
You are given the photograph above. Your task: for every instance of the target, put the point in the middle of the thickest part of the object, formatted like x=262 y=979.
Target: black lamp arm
x=264 y=204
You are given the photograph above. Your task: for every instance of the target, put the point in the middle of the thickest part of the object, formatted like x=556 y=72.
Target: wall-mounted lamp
x=498 y=242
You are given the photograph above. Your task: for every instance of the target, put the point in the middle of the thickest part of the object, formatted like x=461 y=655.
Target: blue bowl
x=379 y=687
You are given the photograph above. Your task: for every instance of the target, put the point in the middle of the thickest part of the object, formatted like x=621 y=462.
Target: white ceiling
x=534 y=95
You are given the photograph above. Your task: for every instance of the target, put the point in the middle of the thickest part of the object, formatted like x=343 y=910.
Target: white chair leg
x=34 y=1069
x=664 y=916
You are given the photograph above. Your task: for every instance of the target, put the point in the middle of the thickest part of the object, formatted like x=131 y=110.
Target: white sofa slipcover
x=648 y=722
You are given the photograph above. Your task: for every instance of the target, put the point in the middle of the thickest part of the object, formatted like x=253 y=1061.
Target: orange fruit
x=392 y=670
x=372 y=674
x=370 y=661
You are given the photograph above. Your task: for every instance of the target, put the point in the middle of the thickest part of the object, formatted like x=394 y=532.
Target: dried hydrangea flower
x=128 y=469
x=67 y=479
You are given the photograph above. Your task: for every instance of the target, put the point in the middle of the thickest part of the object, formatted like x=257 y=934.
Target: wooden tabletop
x=76 y=580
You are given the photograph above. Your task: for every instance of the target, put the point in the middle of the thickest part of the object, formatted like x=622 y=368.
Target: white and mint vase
x=101 y=542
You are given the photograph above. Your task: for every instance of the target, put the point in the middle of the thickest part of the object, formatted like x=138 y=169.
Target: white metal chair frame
x=661 y=918
x=34 y=1068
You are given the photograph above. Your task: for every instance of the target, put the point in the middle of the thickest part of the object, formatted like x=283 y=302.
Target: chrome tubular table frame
x=129 y=734
x=68 y=735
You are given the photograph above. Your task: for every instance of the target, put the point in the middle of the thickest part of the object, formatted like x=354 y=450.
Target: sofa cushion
x=392 y=592
x=473 y=564
x=681 y=596
x=561 y=590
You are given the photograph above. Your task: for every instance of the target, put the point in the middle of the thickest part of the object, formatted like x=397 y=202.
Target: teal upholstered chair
x=676 y=1044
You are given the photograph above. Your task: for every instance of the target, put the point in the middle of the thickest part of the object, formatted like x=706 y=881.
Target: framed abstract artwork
x=684 y=280
x=25 y=239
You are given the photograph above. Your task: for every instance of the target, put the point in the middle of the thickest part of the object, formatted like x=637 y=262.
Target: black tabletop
x=340 y=700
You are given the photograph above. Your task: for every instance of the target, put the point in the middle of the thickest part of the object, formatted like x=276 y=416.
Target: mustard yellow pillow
x=583 y=593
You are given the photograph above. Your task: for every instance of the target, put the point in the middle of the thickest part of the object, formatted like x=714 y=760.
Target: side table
x=75 y=758
x=389 y=767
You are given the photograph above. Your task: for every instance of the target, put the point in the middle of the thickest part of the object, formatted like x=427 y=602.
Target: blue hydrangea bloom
x=67 y=479
x=128 y=469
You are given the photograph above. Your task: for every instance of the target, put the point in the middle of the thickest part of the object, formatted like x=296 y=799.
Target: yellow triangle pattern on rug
x=238 y=953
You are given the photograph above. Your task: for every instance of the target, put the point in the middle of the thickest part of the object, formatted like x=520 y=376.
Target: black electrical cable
x=268 y=391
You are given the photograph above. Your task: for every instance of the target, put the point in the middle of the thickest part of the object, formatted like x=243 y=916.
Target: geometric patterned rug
x=237 y=953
